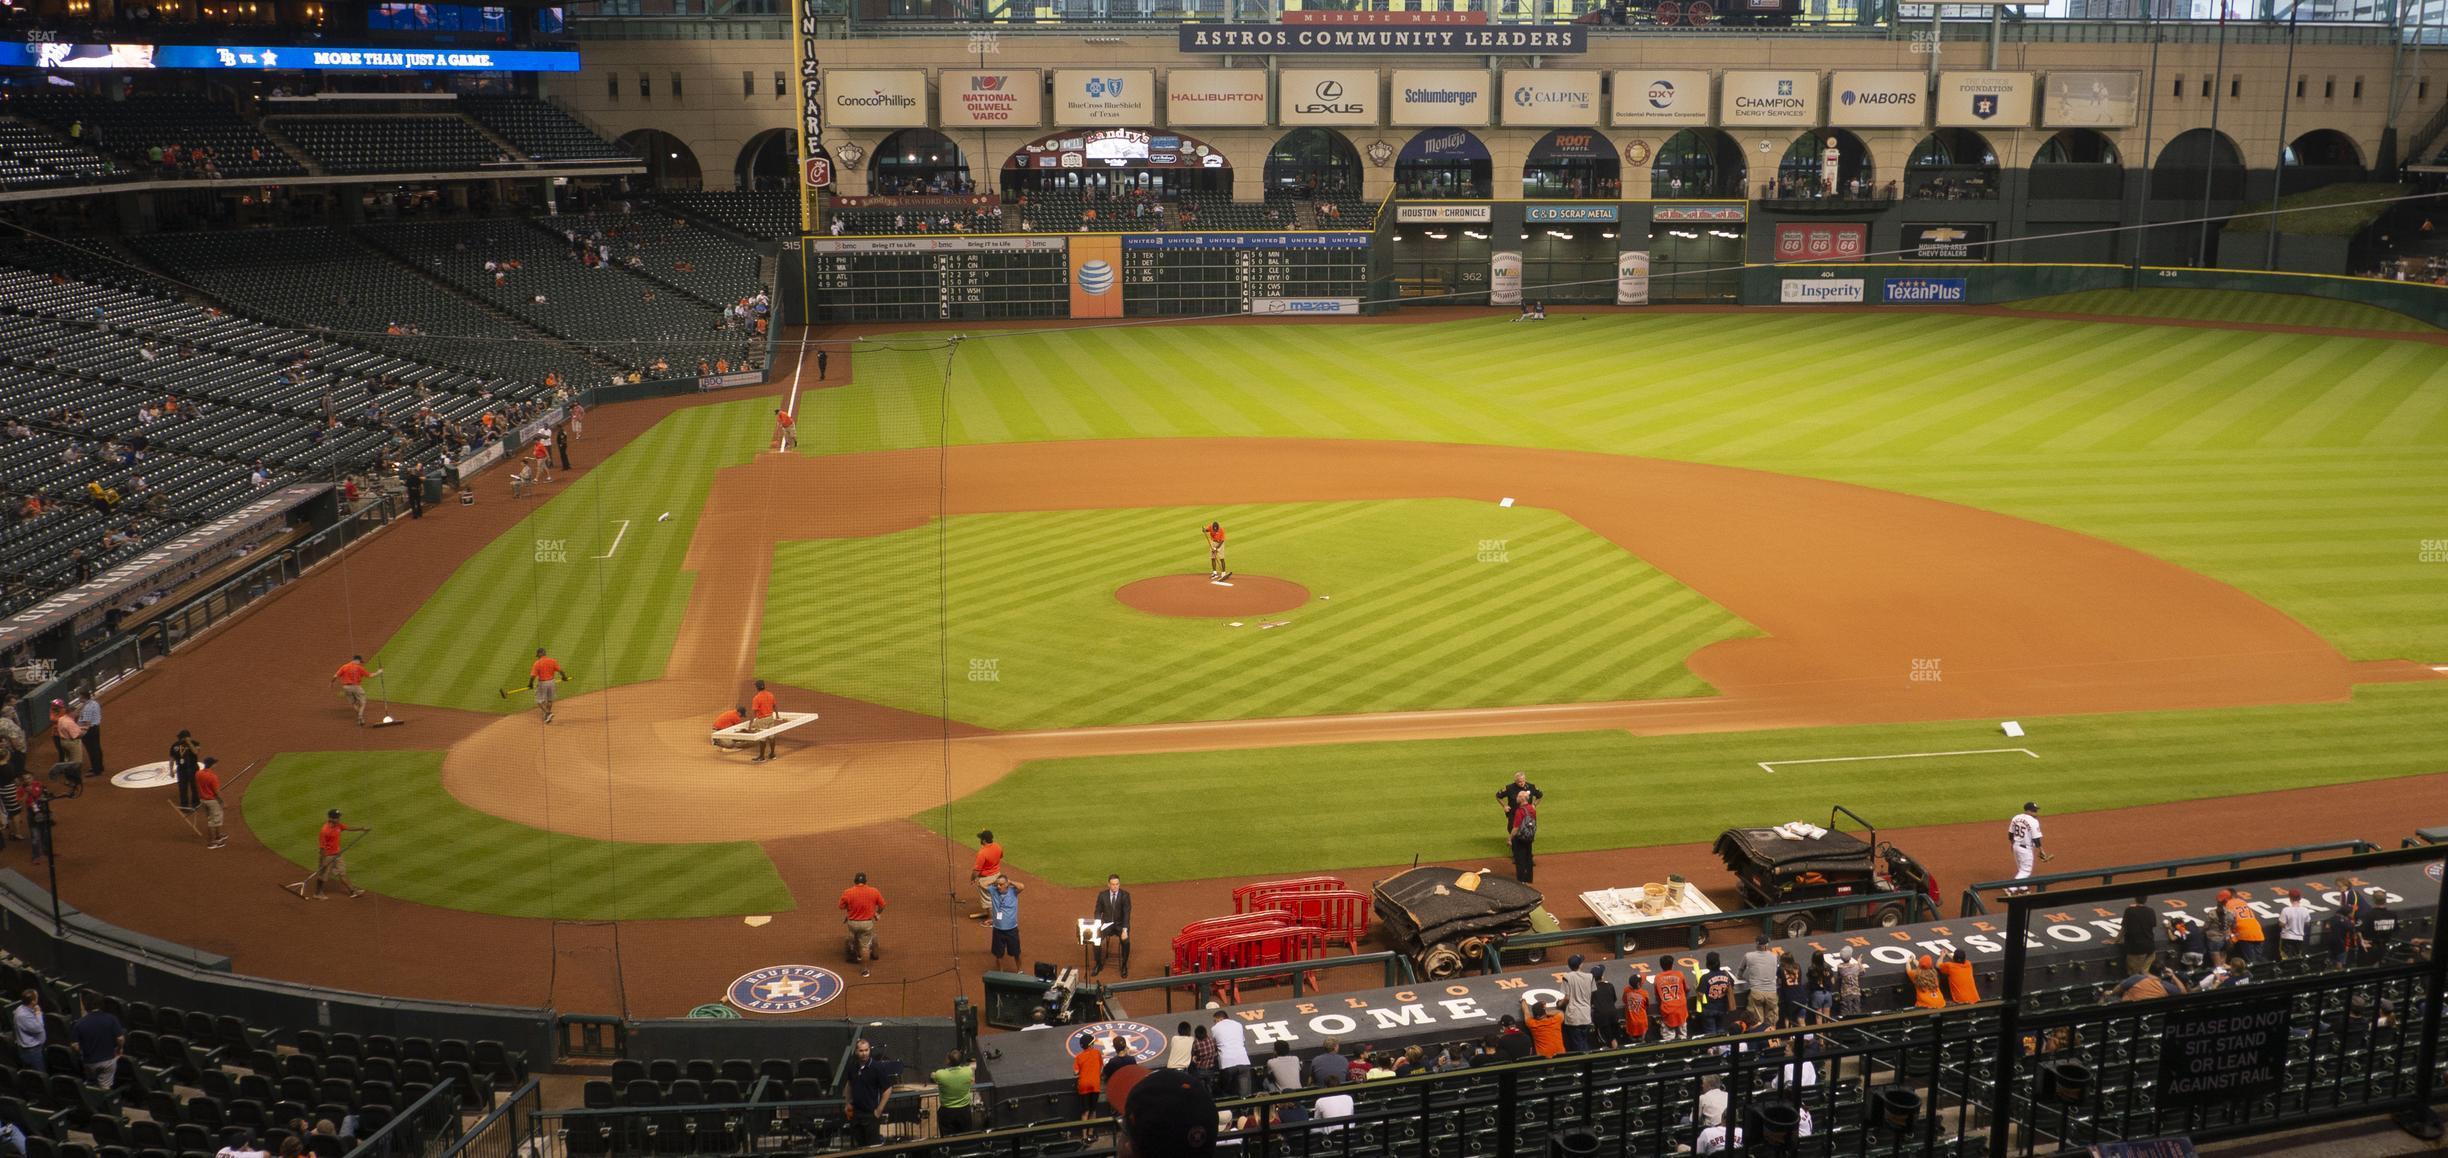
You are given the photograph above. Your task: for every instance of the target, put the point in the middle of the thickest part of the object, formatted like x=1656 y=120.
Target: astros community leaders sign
x=1460 y=40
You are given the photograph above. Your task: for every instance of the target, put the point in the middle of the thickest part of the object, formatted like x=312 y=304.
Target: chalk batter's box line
x=1769 y=766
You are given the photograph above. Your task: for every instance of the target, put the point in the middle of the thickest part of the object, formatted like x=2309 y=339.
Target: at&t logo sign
x=1096 y=277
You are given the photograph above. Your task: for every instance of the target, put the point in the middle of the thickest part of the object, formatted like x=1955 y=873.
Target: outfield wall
x=1922 y=284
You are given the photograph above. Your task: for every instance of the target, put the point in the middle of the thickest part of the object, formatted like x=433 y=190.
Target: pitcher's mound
x=1195 y=595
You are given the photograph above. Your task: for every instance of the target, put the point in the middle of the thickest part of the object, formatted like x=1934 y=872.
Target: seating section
x=191 y=1082
x=540 y=130
x=134 y=415
x=380 y=144
x=325 y=277
x=1068 y=211
x=197 y=129
x=766 y=213
x=706 y=265
x=537 y=276
x=33 y=157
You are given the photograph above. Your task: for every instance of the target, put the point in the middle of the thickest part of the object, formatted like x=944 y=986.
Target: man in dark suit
x=1113 y=911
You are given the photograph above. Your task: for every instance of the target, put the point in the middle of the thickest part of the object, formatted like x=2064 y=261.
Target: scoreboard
x=979 y=278
x=885 y=279
x=1238 y=273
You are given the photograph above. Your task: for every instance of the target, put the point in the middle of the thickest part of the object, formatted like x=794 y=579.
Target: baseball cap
x=1167 y=1115
x=334 y=814
x=2031 y=806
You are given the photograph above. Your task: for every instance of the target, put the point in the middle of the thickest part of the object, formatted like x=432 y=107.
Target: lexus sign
x=1327 y=96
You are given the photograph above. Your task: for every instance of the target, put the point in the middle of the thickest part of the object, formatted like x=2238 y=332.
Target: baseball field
x=1686 y=569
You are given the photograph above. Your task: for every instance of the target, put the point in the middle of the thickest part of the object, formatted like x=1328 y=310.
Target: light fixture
x=1608 y=234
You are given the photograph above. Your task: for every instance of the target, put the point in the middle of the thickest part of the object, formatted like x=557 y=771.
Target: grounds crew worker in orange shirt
x=208 y=801
x=327 y=843
x=544 y=675
x=786 y=430
x=1217 y=572
x=988 y=866
x=861 y=904
x=730 y=719
x=352 y=677
x=761 y=713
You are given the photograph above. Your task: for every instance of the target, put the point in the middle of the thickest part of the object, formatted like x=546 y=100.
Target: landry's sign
x=1461 y=40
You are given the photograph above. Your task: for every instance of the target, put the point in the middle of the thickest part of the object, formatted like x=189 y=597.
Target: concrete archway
x=670 y=163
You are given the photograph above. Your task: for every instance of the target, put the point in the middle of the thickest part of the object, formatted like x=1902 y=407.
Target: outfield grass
x=609 y=621
x=428 y=848
x=2308 y=470
x=2214 y=305
x=1434 y=603
x=1376 y=804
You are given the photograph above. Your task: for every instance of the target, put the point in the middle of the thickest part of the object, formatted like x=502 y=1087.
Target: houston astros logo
x=785 y=989
x=1143 y=1042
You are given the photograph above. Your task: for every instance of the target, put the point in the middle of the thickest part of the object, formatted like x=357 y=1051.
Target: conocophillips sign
x=876 y=98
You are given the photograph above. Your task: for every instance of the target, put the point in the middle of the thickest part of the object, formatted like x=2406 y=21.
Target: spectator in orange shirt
x=1088 y=1072
x=861 y=904
x=1922 y=975
x=988 y=866
x=1960 y=986
x=1546 y=1026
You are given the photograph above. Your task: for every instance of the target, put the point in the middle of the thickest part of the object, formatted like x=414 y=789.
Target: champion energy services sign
x=1765 y=99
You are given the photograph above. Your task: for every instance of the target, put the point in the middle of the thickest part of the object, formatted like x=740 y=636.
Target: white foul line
x=615 y=541
x=1769 y=766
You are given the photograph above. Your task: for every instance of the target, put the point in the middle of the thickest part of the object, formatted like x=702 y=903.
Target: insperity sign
x=1354 y=40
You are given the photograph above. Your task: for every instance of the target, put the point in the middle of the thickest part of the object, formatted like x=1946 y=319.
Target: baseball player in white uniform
x=2023 y=832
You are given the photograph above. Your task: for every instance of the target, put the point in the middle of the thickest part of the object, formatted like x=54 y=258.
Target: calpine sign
x=1465 y=40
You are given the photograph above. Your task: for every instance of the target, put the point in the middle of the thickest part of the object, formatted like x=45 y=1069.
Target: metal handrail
x=379 y=1142
x=1170 y=980
x=1973 y=904
x=501 y=1111
x=1621 y=935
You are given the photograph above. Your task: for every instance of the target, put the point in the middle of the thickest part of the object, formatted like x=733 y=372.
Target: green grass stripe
x=1384 y=803
x=1415 y=620
x=2218 y=305
x=610 y=621
x=428 y=848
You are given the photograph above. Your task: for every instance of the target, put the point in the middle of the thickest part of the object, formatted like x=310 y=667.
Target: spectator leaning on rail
x=1578 y=989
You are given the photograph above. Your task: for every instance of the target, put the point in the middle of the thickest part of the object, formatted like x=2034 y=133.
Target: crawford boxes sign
x=977 y=98
x=1896 y=99
x=1451 y=40
x=1760 y=99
